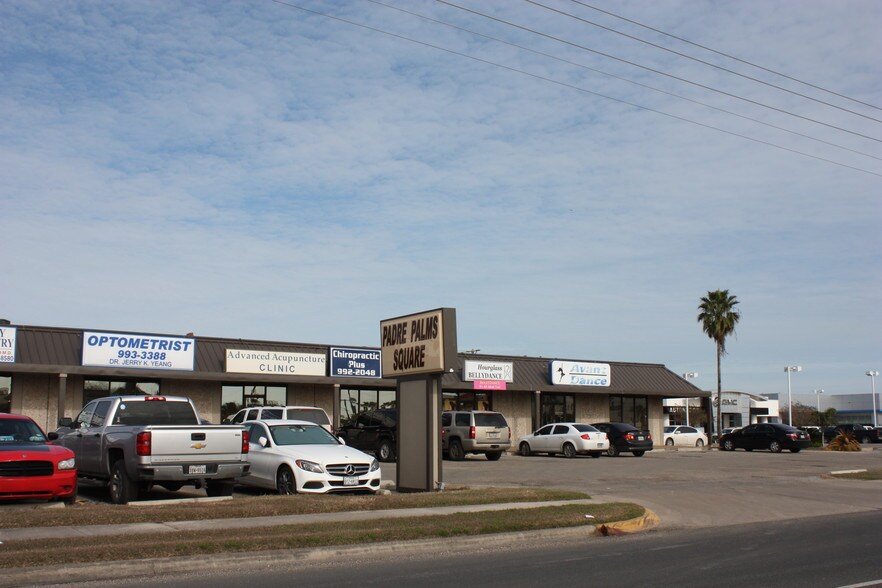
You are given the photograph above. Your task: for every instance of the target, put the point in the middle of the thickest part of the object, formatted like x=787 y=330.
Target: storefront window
x=5 y=394
x=236 y=397
x=557 y=408
x=629 y=409
x=466 y=401
x=93 y=389
x=354 y=401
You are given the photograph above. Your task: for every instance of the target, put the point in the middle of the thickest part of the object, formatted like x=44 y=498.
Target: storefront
x=49 y=372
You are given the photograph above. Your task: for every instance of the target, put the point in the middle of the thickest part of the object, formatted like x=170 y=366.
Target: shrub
x=844 y=441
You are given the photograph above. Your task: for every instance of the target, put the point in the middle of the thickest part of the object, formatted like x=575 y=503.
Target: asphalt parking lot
x=686 y=487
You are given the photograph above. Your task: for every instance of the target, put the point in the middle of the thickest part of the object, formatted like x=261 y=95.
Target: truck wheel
x=456 y=452
x=494 y=456
x=223 y=488
x=385 y=452
x=285 y=482
x=122 y=488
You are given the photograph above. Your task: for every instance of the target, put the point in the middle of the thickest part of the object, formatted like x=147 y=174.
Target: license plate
x=599 y=445
x=196 y=469
x=350 y=480
x=640 y=437
x=492 y=435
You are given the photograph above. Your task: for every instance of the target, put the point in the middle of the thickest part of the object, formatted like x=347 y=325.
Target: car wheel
x=795 y=450
x=455 y=450
x=728 y=445
x=286 y=484
x=569 y=451
x=385 y=452
x=775 y=446
x=494 y=456
x=638 y=453
x=612 y=451
x=214 y=489
x=524 y=449
x=122 y=488
x=669 y=442
x=699 y=443
x=172 y=487
x=595 y=453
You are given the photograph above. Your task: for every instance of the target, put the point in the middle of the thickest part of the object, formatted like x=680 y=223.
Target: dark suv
x=373 y=431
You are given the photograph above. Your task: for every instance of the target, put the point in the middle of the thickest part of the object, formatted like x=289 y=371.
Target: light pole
x=873 y=374
x=819 y=392
x=688 y=376
x=788 y=369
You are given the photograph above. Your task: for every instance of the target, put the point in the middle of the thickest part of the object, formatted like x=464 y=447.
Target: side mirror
x=341 y=440
x=262 y=441
x=53 y=436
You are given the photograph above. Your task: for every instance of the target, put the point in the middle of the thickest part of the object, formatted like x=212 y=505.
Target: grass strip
x=867 y=475
x=22 y=554
x=85 y=513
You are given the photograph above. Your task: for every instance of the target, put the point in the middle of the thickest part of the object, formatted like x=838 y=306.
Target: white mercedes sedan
x=570 y=439
x=299 y=456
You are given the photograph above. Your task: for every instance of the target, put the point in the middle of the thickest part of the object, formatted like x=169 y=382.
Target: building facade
x=52 y=372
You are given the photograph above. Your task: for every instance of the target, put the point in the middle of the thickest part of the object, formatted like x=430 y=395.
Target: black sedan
x=771 y=436
x=625 y=437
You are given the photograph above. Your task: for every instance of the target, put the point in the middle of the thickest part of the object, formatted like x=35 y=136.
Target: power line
x=621 y=78
x=656 y=71
x=727 y=55
x=570 y=86
x=708 y=63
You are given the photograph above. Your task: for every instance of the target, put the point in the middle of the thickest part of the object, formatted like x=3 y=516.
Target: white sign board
x=148 y=352
x=7 y=344
x=487 y=370
x=246 y=361
x=574 y=373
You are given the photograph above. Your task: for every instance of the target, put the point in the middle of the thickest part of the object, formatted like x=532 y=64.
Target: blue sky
x=254 y=170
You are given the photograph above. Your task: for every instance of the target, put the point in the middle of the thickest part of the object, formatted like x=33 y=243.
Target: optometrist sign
x=575 y=373
x=245 y=361
x=423 y=343
x=127 y=350
x=7 y=344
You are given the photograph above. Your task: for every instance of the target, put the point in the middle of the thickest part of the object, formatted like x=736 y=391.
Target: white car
x=570 y=439
x=684 y=436
x=299 y=456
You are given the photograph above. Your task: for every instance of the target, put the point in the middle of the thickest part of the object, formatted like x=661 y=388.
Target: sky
x=300 y=171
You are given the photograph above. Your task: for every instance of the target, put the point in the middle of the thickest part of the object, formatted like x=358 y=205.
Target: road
x=818 y=552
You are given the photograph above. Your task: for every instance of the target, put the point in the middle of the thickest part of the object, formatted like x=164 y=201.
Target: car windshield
x=301 y=435
x=20 y=431
x=489 y=419
x=586 y=429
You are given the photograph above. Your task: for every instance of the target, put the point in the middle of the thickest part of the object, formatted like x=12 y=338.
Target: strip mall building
x=51 y=372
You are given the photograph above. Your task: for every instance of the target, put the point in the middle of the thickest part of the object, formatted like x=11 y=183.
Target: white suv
x=313 y=414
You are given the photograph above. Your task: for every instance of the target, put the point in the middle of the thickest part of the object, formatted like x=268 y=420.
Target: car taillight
x=509 y=433
x=142 y=443
x=649 y=435
x=471 y=432
x=154 y=398
x=586 y=436
x=629 y=436
x=792 y=435
x=245 y=438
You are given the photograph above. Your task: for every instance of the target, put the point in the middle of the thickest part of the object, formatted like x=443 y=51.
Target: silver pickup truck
x=133 y=442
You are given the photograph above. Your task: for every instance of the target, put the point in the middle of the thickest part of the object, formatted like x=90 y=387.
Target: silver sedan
x=569 y=439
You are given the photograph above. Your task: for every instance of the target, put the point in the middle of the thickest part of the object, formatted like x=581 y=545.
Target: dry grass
x=84 y=513
x=867 y=475
x=19 y=554
x=843 y=442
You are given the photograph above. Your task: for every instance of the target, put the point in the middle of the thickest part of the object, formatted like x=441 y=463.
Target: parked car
x=474 y=431
x=684 y=436
x=861 y=433
x=570 y=439
x=771 y=436
x=313 y=414
x=374 y=432
x=625 y=437
x=298 y=456
x=133 y=442
x=31 y=466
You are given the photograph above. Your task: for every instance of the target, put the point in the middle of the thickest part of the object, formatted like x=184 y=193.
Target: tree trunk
x=719 y=393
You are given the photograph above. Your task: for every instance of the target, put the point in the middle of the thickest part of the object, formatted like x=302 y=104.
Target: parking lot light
x=788 y=369
x=873 y=374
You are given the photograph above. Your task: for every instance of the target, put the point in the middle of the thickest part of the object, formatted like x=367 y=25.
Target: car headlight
x=309 y=466
x=375 y=465
x=67 y=464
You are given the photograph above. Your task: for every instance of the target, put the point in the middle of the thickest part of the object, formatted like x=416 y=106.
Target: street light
x=819 y=392
x=688 y=376
x=788 y=369
x=873 y=374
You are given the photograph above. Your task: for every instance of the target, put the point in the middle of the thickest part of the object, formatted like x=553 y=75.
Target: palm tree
x=718 y=318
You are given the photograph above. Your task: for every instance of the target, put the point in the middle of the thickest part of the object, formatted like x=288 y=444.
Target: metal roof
x=59 y=350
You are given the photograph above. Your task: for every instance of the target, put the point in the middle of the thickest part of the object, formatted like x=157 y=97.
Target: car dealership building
x=52 y=372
